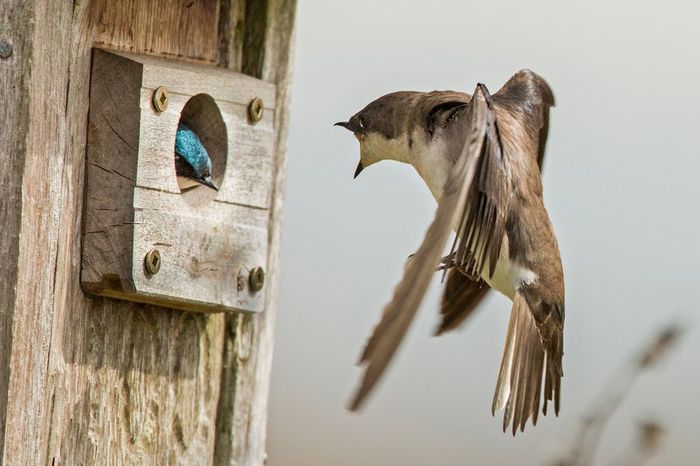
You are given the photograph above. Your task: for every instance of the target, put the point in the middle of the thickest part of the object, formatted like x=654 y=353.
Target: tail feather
x=530 y=353
x=503 y=383
x=554 y=374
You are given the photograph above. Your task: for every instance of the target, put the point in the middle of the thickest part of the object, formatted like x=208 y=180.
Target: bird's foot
x=447 y=263
x=467 y=268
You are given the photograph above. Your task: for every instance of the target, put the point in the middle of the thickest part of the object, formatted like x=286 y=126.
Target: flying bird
x=480 y=155
x=192 y=162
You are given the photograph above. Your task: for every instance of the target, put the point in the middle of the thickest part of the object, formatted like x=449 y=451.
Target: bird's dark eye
x=362 y=121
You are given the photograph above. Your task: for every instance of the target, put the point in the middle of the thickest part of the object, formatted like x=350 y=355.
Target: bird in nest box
x=192 y=162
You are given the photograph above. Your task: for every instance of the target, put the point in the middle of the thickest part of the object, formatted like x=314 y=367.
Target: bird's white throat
x=375 y=147
x=426 y=157
x=430 y=162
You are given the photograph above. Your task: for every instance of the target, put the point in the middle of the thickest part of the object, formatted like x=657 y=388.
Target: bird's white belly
x=509 y=276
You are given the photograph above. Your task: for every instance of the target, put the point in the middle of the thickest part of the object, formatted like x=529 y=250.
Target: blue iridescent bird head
x=192 y=162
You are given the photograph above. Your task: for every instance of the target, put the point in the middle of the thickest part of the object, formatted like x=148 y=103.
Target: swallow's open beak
x=349 y=126
x=208 y=182
x=359 y=168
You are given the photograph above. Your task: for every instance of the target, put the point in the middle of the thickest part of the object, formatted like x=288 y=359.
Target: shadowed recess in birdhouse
x=201 y=148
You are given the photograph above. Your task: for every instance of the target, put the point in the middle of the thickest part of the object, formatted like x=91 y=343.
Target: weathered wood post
x=93 y=380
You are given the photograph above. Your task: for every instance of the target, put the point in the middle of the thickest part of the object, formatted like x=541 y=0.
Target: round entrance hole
x=202 y=115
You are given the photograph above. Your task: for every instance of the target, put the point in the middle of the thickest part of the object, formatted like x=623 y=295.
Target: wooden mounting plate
x=208 y=241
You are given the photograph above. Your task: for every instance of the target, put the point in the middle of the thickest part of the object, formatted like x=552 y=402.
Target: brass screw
x=255 y=110
x=160 y=99
x=256 y=279
x=152 y=261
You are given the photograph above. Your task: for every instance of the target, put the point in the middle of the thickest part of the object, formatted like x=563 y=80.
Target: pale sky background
x=621 y=186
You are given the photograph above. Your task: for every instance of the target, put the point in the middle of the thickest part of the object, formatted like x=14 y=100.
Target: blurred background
x=621 y=188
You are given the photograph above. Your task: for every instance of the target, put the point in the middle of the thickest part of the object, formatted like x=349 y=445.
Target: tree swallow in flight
x=192 y=162
x=480 y=156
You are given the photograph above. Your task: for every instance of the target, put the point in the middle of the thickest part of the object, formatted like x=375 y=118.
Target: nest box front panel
x=154 y=232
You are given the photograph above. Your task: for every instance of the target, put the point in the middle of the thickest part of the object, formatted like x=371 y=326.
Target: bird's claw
x=450 y=262
x=447 y=263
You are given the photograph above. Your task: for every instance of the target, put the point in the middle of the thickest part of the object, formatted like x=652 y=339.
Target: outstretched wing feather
x=481 y=232
x=408 y=294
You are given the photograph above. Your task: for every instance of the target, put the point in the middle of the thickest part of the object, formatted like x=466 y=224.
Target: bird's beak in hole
x=208 y=182
x=359 y=168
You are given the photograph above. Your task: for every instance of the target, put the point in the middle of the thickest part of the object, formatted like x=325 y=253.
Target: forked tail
x=532 y=349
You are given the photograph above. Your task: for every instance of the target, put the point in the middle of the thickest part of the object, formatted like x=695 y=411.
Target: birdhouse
x=148 y=238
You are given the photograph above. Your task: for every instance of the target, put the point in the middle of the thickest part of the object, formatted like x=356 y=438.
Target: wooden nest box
x=144 y=238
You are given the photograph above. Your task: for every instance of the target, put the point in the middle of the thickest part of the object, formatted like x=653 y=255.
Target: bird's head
x=192 y=162
x=381 y=128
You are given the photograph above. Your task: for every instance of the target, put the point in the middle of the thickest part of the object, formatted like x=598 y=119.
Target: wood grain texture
x=231 y=23
x=248 y=339
x=173 y=28
x=42 y=157
x=108 y=232
x=208 y=241
x=128 y=383
x=94 y=380
x=15 y=83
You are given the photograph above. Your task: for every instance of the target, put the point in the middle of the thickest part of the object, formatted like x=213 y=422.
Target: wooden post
x=99 y=381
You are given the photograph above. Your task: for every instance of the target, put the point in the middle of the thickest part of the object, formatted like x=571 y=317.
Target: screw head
x=5 y=48
x=160 y=99
x=256 y=279
x=152 y=261
x=255 y=110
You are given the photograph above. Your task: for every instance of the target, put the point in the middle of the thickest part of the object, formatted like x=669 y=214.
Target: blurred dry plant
x=650 y=433
x=649 y=437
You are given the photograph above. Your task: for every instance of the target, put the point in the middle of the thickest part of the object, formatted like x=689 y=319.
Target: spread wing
x=463 y=294
x=470 y=193
x=481 y=230
x=461 y=297
x=528 y=97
